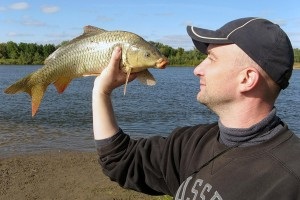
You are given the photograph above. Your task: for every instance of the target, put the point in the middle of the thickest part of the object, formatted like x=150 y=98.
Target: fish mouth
x=162 y=63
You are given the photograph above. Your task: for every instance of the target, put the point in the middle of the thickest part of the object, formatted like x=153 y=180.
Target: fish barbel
x=88 y=55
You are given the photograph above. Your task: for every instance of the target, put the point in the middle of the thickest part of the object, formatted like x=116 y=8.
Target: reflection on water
x=65 y=121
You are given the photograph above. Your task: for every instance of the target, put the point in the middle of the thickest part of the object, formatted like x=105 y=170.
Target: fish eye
x=147 y=54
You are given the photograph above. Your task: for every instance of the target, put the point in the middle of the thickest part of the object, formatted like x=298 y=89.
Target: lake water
x=64 y=122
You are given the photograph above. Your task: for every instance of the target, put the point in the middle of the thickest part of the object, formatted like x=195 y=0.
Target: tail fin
x=19 y=86
x=35 y=91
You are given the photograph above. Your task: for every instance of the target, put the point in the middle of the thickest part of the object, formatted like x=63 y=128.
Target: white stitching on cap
x=205 y=37
x=227 y=35
x=242 y=26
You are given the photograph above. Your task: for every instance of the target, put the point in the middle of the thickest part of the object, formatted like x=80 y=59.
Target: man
x=248 y=154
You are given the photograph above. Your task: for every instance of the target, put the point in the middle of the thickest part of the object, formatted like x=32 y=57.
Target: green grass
x=165 y=197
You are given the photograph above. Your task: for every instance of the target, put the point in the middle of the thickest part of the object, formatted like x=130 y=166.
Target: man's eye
x=211 y=58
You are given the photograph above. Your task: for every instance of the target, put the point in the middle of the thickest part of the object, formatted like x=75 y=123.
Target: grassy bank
x=296 y=65
x=15 y=62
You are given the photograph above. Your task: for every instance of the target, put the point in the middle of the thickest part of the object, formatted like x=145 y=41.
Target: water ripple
x=65 y=121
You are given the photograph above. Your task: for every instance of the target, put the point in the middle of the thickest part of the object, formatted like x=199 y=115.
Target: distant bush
x=24 y=53
x=35 y=54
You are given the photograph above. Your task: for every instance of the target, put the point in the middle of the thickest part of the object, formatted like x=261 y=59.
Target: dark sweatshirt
x=192 y=163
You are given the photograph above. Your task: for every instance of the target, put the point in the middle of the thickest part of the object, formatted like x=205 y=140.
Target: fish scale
x=87 y=55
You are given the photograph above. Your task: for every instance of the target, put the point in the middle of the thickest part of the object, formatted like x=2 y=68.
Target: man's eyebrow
x=210 y=52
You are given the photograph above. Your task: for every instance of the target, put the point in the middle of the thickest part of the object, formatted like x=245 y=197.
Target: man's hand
x=112 y=76
x=104 y=121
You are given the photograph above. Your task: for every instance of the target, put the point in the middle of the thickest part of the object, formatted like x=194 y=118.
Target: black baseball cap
x=263 y=41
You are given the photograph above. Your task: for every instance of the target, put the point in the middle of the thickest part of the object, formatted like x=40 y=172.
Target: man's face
x=218 y=76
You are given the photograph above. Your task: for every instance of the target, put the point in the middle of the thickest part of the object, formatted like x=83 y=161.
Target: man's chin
x=200 y=96
x=201 y=99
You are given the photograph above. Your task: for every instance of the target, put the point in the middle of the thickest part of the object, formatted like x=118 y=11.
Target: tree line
x=35 y=54
x=24 y=53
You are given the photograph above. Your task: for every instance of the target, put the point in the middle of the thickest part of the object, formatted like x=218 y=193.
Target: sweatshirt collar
x=256 y=134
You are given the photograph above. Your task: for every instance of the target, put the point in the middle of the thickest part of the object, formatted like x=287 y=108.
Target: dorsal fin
x=88 y=32
x=93 y=29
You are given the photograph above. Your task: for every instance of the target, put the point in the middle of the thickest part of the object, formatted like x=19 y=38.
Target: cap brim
x=203 y=37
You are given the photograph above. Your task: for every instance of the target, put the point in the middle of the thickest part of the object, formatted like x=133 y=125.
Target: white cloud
x=15 y=34
x=176 y=41
x=31 y=22
x=28 y=21
x=2 y=9
x=103 y=18
x=50 y=9
x=59 y=35
x=280 y=22
x=19 y=6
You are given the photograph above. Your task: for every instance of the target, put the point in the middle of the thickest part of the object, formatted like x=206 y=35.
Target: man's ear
x=248 y=79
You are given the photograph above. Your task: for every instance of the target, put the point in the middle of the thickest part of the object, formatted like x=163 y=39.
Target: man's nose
x=198 y=71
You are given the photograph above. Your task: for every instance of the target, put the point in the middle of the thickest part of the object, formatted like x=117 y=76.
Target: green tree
x=32 y=53
x=297 y=55
x=3 y=52
x=26 y=52
x=48 y=49
x=12 y=50
x=37 y=58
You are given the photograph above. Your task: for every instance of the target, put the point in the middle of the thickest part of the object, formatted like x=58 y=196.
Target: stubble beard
x=212 y=102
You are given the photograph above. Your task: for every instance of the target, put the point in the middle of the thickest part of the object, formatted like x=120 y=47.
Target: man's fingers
x=115 y=57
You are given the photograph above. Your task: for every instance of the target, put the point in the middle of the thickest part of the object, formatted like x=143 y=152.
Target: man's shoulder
x=196 y=131
x=289 y=147
x=199 y=128
x=287 y=154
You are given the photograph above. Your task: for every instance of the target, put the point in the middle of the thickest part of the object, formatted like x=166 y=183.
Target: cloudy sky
x=162 y=21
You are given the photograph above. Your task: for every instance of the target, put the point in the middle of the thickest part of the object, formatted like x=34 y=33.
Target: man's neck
x=255 y=134
x=244 y=116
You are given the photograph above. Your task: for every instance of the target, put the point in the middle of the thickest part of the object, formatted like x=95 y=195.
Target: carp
x=87 y=55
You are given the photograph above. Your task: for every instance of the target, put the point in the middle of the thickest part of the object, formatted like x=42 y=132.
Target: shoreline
x=59 y=175
x=296 y=65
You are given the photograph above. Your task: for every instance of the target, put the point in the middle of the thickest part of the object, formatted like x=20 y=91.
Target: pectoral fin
x=146 y=78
